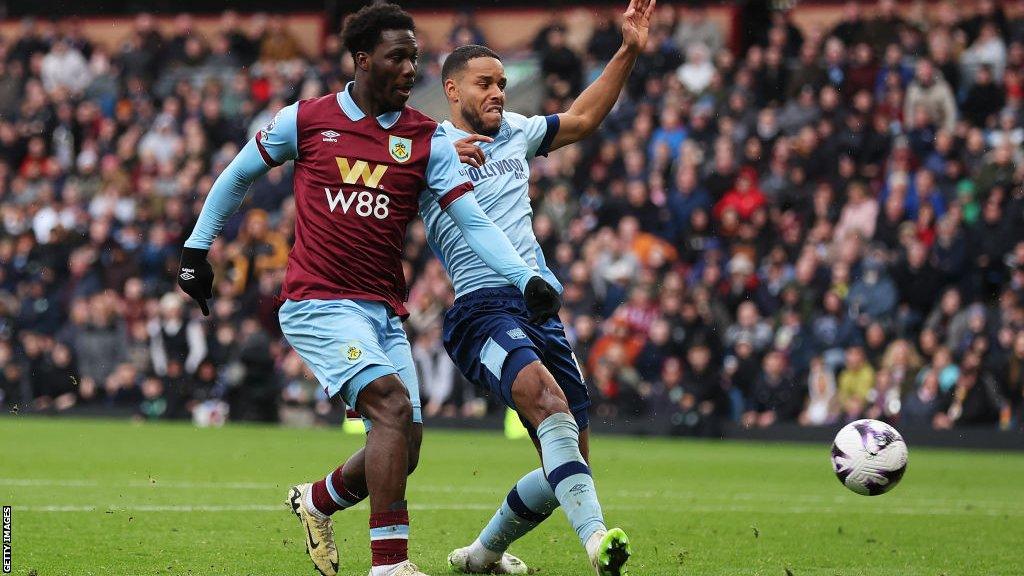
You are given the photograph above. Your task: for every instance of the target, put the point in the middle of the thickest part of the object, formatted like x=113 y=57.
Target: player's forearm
x=594 y=104
x=226 y=195
x=489 y=242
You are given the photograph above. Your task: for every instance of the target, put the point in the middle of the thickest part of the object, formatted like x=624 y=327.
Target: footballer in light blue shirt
x=489 y=332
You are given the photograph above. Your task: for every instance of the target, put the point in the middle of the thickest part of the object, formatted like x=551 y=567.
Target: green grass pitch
x=111 y=498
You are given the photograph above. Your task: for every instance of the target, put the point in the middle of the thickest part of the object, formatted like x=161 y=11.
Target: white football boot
x=406 y=568
x=319 y=535
x=461 y=561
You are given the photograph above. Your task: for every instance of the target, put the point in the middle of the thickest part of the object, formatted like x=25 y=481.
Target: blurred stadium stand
x=792 y=218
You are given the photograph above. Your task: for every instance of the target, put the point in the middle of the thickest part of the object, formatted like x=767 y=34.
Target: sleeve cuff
x=454 y=194
x=549 y=136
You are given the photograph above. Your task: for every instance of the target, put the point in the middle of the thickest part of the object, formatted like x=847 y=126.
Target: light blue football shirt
x=502 y=189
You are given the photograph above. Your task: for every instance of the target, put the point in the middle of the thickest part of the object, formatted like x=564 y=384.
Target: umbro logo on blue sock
x=578 y=489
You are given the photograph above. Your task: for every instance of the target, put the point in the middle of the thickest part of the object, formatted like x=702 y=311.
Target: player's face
x=481 y=94
x=391 y=68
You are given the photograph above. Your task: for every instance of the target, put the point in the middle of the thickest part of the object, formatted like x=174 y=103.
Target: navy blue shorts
x=489 y=335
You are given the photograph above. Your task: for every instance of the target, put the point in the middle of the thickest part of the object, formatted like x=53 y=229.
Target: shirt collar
x=502 y=131
x=355 y=114
x=451 y=128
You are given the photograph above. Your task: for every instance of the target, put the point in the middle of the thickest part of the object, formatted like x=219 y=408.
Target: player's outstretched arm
x=590 y=108
x=257 y=157
x=195 y=275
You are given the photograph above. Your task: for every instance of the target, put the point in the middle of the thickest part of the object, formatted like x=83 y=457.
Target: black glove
x=542 y=300
x=195 y=276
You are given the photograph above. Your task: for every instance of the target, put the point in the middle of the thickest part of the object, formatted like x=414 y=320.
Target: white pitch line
x=216 y=508
x=697 y=509
x=48 y=482
x=996 y=507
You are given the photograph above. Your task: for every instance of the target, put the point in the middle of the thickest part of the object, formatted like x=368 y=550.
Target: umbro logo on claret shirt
x=330 y=135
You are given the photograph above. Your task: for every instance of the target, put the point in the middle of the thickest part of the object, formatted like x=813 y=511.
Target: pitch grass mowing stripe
x=690 y=507
x=697 y=509
x=935 y=506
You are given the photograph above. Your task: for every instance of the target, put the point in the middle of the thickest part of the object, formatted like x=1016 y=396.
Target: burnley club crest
x=400 y=148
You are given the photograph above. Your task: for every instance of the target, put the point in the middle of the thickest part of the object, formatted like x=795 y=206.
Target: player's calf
x=415 y=442
x=385 y=402
x=543 y=404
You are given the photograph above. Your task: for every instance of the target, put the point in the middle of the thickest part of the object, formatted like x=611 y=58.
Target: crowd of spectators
x=822 y=225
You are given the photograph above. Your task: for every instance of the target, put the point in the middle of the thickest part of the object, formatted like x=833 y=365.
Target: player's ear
x=362 y=61
x=451 y=90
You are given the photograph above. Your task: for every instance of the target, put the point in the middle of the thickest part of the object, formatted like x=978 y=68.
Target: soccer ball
x=869 y=457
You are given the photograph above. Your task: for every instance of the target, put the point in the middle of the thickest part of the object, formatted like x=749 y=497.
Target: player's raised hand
x=469 y=152
x=195 y=276
x=636 y=23
x=542 y=300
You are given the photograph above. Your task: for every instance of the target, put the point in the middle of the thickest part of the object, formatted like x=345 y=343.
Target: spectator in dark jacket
x=984 y=99
x=777 y=397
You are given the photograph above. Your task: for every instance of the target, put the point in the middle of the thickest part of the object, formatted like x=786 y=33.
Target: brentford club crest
x=400 y=148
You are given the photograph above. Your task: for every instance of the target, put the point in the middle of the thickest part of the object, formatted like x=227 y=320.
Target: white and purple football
x=869 y=457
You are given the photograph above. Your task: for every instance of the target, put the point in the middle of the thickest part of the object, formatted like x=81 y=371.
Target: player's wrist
x=630 y=49
x=526 y=280
x=193 y=254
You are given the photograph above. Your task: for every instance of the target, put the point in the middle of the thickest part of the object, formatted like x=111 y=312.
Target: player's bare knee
x=386 y=403
x=551 y=400
x=398 y=412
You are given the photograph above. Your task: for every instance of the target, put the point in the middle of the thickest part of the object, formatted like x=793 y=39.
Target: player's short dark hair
x=363 y=29
x=459 y=57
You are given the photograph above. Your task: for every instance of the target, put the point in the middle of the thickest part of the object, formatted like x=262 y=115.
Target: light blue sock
x=569 y=474
x=529 y=503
